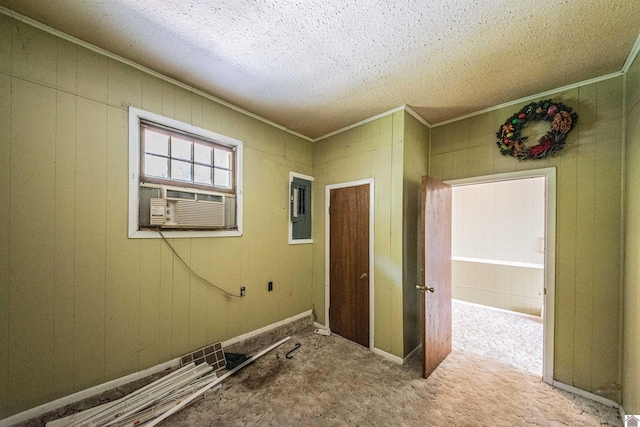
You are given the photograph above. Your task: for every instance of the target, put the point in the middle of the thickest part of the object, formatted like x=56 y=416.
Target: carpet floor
x=491 y=378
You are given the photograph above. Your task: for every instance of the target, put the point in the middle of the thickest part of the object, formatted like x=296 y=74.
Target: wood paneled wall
x=498 y=222
x=80 y=303
x=631 y=300
x=589 y=213
x=416 y=165
x=372 y=150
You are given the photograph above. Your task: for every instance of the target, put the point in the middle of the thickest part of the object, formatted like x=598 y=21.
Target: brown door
x=435 y=244
x=349 y=263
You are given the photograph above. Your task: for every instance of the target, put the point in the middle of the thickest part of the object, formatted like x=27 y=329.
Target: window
x=181 y=159
x=183 y=179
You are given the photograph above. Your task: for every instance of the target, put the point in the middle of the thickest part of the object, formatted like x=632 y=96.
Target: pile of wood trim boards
x=157 y=401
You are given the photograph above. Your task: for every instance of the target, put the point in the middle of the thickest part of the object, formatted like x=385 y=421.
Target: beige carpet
x=491 y=378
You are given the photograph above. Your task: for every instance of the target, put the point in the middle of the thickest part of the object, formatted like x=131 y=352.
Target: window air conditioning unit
x=185 y=208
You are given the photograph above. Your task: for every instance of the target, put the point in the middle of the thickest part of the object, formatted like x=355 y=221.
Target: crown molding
x=533 y=97
x=67 y=37
x=632 y=56
x=361 y=122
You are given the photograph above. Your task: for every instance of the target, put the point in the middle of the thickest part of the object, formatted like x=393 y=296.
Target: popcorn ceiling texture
x=315 y=67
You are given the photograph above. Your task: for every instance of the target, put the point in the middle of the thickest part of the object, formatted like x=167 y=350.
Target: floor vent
x=213 y=355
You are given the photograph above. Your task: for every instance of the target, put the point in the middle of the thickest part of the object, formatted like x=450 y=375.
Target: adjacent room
x=370 y=205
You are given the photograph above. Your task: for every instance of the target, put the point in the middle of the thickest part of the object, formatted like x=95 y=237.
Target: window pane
x=156 y=166
x=180 y=171
x=202 y=174
x=156 y=143
x=221 y=178
x=202 y=154
x=222 y=158
x=180 y=148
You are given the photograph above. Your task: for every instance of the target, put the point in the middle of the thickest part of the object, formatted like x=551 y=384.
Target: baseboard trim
x=267 y=328
x=100 y=388
x=393 y=358
x=623 y=415
x=317 y=325
x=410 y=355
x=586 y=394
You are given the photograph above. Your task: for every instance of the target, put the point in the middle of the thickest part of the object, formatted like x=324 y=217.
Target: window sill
x=150 y=234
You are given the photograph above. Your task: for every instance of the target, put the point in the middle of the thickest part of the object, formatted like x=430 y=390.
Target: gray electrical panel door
x=301 y=208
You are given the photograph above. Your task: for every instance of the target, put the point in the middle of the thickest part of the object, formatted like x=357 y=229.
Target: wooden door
x=349 y=263
x=435 y=255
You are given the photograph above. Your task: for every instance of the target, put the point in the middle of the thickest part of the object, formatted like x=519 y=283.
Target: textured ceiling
x=317 y=66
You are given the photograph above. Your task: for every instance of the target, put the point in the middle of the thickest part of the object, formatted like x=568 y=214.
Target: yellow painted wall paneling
x=121 y=305
x=609 y=99
x=5 y=211
x=31 y=290
x=606 y=308
x=202 y=295
x=152 y=94
x=93 y=75
x=34 y=54
x=566 y=229
x=299 y=151
x=67 y=71
x=384 y=267
x=215 y=116
x=181 y=287
x=182 y=104
x=122 y=290
x=124 y=85
x=168 y=100
x=416 y=164
x=152 y=338
x=6 y=37
x=397 y=316
x=167 y=266
x=232 y=325
x=600 y=106
x=631 y=326
x=633 y=88
x=90 y=259
x=65 y=181
x=359 y=153
x=197 y=103
x=585 y=258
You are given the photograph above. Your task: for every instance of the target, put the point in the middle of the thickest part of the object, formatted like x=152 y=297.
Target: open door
x=435 y=289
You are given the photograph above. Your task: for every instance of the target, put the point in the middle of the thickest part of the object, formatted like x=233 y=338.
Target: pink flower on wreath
x=552 y=110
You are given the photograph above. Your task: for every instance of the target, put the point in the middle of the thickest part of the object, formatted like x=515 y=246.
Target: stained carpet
x=491 y=378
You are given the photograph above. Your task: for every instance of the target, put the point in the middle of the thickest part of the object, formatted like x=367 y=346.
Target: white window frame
x=135 y=115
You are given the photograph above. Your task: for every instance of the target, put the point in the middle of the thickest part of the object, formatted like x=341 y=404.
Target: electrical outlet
x=242 y=291
x=270 y=286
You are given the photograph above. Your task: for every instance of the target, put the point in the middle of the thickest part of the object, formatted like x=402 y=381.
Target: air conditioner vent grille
x=183 y=195
x=197 y=214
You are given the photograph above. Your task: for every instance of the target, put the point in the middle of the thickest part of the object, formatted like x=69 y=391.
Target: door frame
x=549 y=254
x=327 y=247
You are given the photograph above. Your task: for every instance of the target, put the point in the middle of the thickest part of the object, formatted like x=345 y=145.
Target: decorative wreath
x=562 y=121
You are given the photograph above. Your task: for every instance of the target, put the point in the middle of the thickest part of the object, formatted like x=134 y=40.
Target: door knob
x=423 y=288
x=364 y=275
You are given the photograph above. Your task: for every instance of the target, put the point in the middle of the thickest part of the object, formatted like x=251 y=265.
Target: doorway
x=349 y=260
x=533 y=268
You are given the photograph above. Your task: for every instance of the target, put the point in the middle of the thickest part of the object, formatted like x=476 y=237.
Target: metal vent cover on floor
x=213 y=355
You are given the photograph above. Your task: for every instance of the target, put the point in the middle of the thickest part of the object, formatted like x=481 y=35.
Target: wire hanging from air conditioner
x=228 y=294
